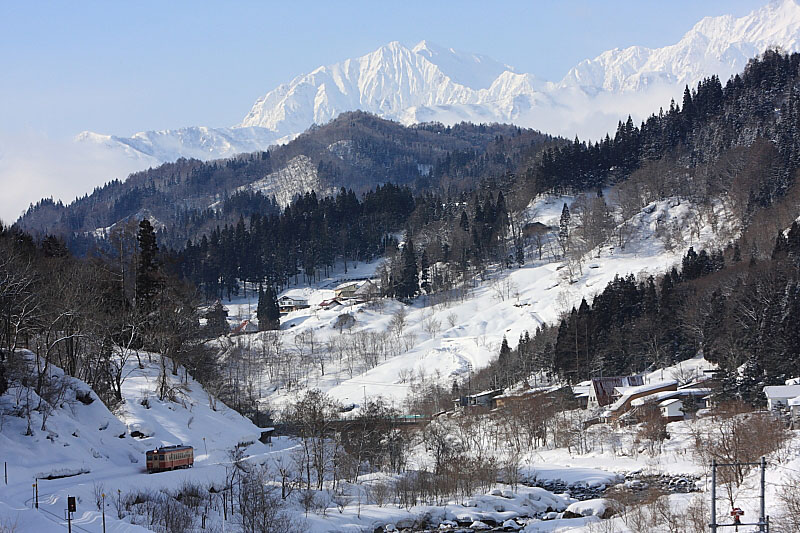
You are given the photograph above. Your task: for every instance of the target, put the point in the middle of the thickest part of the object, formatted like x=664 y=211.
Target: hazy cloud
x=33 y=166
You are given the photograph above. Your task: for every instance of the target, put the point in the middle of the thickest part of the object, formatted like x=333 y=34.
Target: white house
x=779 y=395
x=672 y=410
x=292 y=301
x=794 y=406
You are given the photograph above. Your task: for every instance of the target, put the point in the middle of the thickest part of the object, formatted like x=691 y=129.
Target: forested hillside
x=732 y=150
x=357 y=151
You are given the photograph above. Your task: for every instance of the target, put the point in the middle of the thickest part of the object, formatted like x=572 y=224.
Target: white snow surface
x=91 y=445
x=297 y=177
x=428 y=82
x=470 y=330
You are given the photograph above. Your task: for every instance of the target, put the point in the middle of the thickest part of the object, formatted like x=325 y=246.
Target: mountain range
x=430 y=83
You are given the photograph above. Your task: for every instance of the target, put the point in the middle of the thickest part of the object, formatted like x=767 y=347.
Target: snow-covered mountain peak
x=386 y=81
x=715 y=45
x=475 y=71
x=429 y=82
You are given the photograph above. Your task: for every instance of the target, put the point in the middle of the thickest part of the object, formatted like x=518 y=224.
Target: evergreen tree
x=505 y=352
x=267 y=311
x=147 y=272
x=519 y=252
x=563 y=229
x=409 y=280
x=216 y=320
x=424 y=272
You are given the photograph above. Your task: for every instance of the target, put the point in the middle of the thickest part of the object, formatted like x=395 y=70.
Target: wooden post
x=36 y=493
x=104 y=511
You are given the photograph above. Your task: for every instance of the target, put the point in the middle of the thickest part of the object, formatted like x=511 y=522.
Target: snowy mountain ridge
x=715 y=45
x=432 y=83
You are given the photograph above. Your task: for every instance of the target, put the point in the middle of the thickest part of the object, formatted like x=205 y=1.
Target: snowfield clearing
x=448 y=340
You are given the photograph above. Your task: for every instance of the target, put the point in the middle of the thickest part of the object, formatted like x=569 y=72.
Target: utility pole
x=763 y=519
x=713 y=496
x=762 y=528
x=5 y=471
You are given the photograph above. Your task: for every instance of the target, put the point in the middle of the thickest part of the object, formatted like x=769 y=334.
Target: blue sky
x=122 y=67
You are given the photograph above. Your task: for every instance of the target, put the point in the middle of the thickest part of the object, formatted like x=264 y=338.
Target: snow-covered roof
x=582 y=389
x=641 y=389
x=669 y=402
x=494 y=392
x=366 y=287
x=782 y=391
x=794 y=401
x=347 y=284
x=297 y=295
x=665 y=395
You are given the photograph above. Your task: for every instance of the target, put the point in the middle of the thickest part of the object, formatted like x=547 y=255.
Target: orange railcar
x=170 y=458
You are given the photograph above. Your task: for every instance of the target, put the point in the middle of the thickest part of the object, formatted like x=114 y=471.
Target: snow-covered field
x=94 y=450
x=448 y=340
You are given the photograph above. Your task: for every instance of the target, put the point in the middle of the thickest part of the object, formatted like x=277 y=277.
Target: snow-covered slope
x=432 y=83
x=198 y=142
x=87 y=446
x=448 y=340
x=297 y=177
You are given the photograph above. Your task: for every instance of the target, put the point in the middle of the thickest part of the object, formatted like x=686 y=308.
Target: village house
x=581 y=393
x=604 y=391
x=672 y=410
x=346 y=290
x=691 y=400
x=214 y=319
x=779 y=395
x=794 y=410
x=629 y=394
x=366 y=291
x=330 y=303
x=246 y=326
x=292 y=301
x=481 y=399
x=361 y=291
